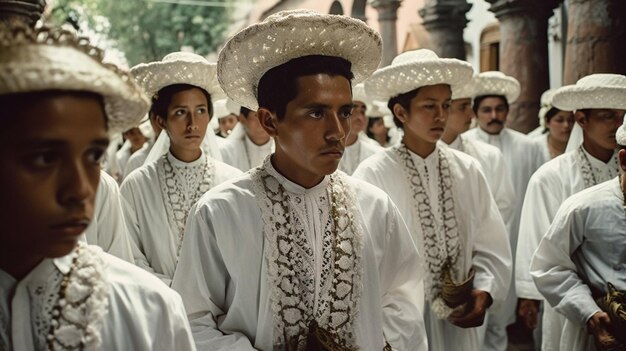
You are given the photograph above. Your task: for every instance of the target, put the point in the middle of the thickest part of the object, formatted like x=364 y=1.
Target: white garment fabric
x=492 y=164
x=143 y=314
x=224 y=282
x=355 y=154
x=150 y=222
x=123 y=156
x=485 y=246
x=542 y=141
x=537 y=132
x=243 y=154
x=553 y=182
x=583 y=250
x=107 y=228
x=137 y=159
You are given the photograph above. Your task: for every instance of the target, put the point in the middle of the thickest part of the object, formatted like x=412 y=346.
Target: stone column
x=445 y=20
x=24 y=11
x=524 y=54
x=387 y=16
x=596 y=38
x=358 y=10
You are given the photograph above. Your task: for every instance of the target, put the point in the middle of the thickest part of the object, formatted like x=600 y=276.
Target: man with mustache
x=294 y=255
x=444 y=197
x=494 y=92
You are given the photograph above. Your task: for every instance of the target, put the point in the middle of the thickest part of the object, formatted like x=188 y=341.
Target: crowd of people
x=295 y=196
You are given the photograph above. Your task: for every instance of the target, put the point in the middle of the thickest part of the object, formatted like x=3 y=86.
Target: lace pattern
x=291 y=261
x=441 y=251
x=590 y=178
x=182 y=187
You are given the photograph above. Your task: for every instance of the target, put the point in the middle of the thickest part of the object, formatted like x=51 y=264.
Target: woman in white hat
x=376 y=129
x=443 y=196
x=555 y=129
x=158 y=196
x=599 y=105
x=59 y=102
x=294 y=255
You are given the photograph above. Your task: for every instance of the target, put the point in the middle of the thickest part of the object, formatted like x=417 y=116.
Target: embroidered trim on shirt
x=589 y=176
x=178 y=200
x=78 y=314
x=292 y=277
x=441 y=251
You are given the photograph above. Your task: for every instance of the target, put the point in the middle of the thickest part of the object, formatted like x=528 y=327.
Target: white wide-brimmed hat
x=496 y=83
x=287 y=35
x=466 y=90
x=620 y=135
x=220 y=109
x=415 y=69
x=178 y=68
x=56 y=59
x=358 y=94
x=600 y=91
x=233 y=107
x=546 y=105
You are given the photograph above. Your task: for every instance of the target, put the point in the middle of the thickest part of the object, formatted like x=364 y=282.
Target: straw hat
x=286 y=35
x=602 y=91
x=56 y=59
x=178 y=68
x=415 y=69
x=546 y=105
x=233 y=107
x=358 y=94
x=220 y=109
x=496 y=83
x=464 y=91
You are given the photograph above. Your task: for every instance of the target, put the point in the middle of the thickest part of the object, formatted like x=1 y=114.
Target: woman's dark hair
x=479 y=99
x=370 y=123
x=279 y=85
x=551 y=113
x=162 y=99
x=404 y=100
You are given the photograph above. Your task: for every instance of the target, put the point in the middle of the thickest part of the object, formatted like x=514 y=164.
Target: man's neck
x=449 y=136
x=134 y=148
x=351 y=139
x=186 y=155
x=489 y=133
x=418 y=146
x=258 y=140
x=597 y=151
x=283 y=165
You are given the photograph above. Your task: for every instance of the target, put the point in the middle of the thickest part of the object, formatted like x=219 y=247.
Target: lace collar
x=591 y=168
x=297 y=301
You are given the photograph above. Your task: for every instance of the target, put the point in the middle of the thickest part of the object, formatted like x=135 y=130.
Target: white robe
x=355 y=154
x=150 y=226
x=583 y=250
x=107 y=228
x=542 y=142
x=143 y=314
x=243 y=154
x=553 y=182
x=494 y=169
x=223 y=271
x=137 y=159
x=481 y=229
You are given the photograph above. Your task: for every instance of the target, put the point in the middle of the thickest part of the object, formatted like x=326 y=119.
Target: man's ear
x=580 y=118
x=400 y=113
x=268 y=121
x=621 y=156
x=160 y=121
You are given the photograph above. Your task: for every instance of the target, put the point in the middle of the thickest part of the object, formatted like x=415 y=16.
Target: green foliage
x=146 y=30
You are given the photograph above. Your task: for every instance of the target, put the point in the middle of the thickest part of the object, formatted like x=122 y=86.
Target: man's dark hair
x=244 y=111
x=162 y=99
x=279 y=85
x=404 y=100
x=479 y=99
x=370 y=123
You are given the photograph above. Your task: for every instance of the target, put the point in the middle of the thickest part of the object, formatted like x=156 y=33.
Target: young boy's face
x=50 y=151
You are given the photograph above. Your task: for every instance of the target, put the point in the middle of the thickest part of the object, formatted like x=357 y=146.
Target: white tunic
x=143 y=314
x=243 y=154
x=137 y=159
x=553 y=182
x=542 y=142
x=482 y=231
x=107 y=228
x=583 y=250
x=355 y=154
x=223 y=271
x=150 y=218
x=494 y=169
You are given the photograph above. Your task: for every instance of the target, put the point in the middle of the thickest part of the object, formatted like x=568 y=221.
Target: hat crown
x=603 y=80
x=414 y=56
x=291 y=13
x=492 y=74
x=182 y=56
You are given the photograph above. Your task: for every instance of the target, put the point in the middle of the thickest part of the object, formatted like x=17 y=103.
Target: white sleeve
x=201 y=279
x=555 y=273
x=502 y=187
x=175 y=333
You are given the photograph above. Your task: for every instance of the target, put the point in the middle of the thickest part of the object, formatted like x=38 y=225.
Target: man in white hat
x=579 y=264
x=494 y=91
x=444 y=198
x=490 y=158
x=248 y=144
x=57 y=293
x=294 y=255
x=592 y=160
x=358 y=145
x=227 y=119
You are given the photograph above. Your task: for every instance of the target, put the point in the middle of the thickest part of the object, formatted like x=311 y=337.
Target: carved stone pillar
x=445 y=20
x=387 y=16
x=596 y=38
x=524 y=54
x=24 y=11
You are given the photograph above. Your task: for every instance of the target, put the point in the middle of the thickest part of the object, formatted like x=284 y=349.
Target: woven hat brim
x=261 y=47
x=155 y=76
x=505 y=86
x=35 y=68
x=570 y=98
x=392 y=80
